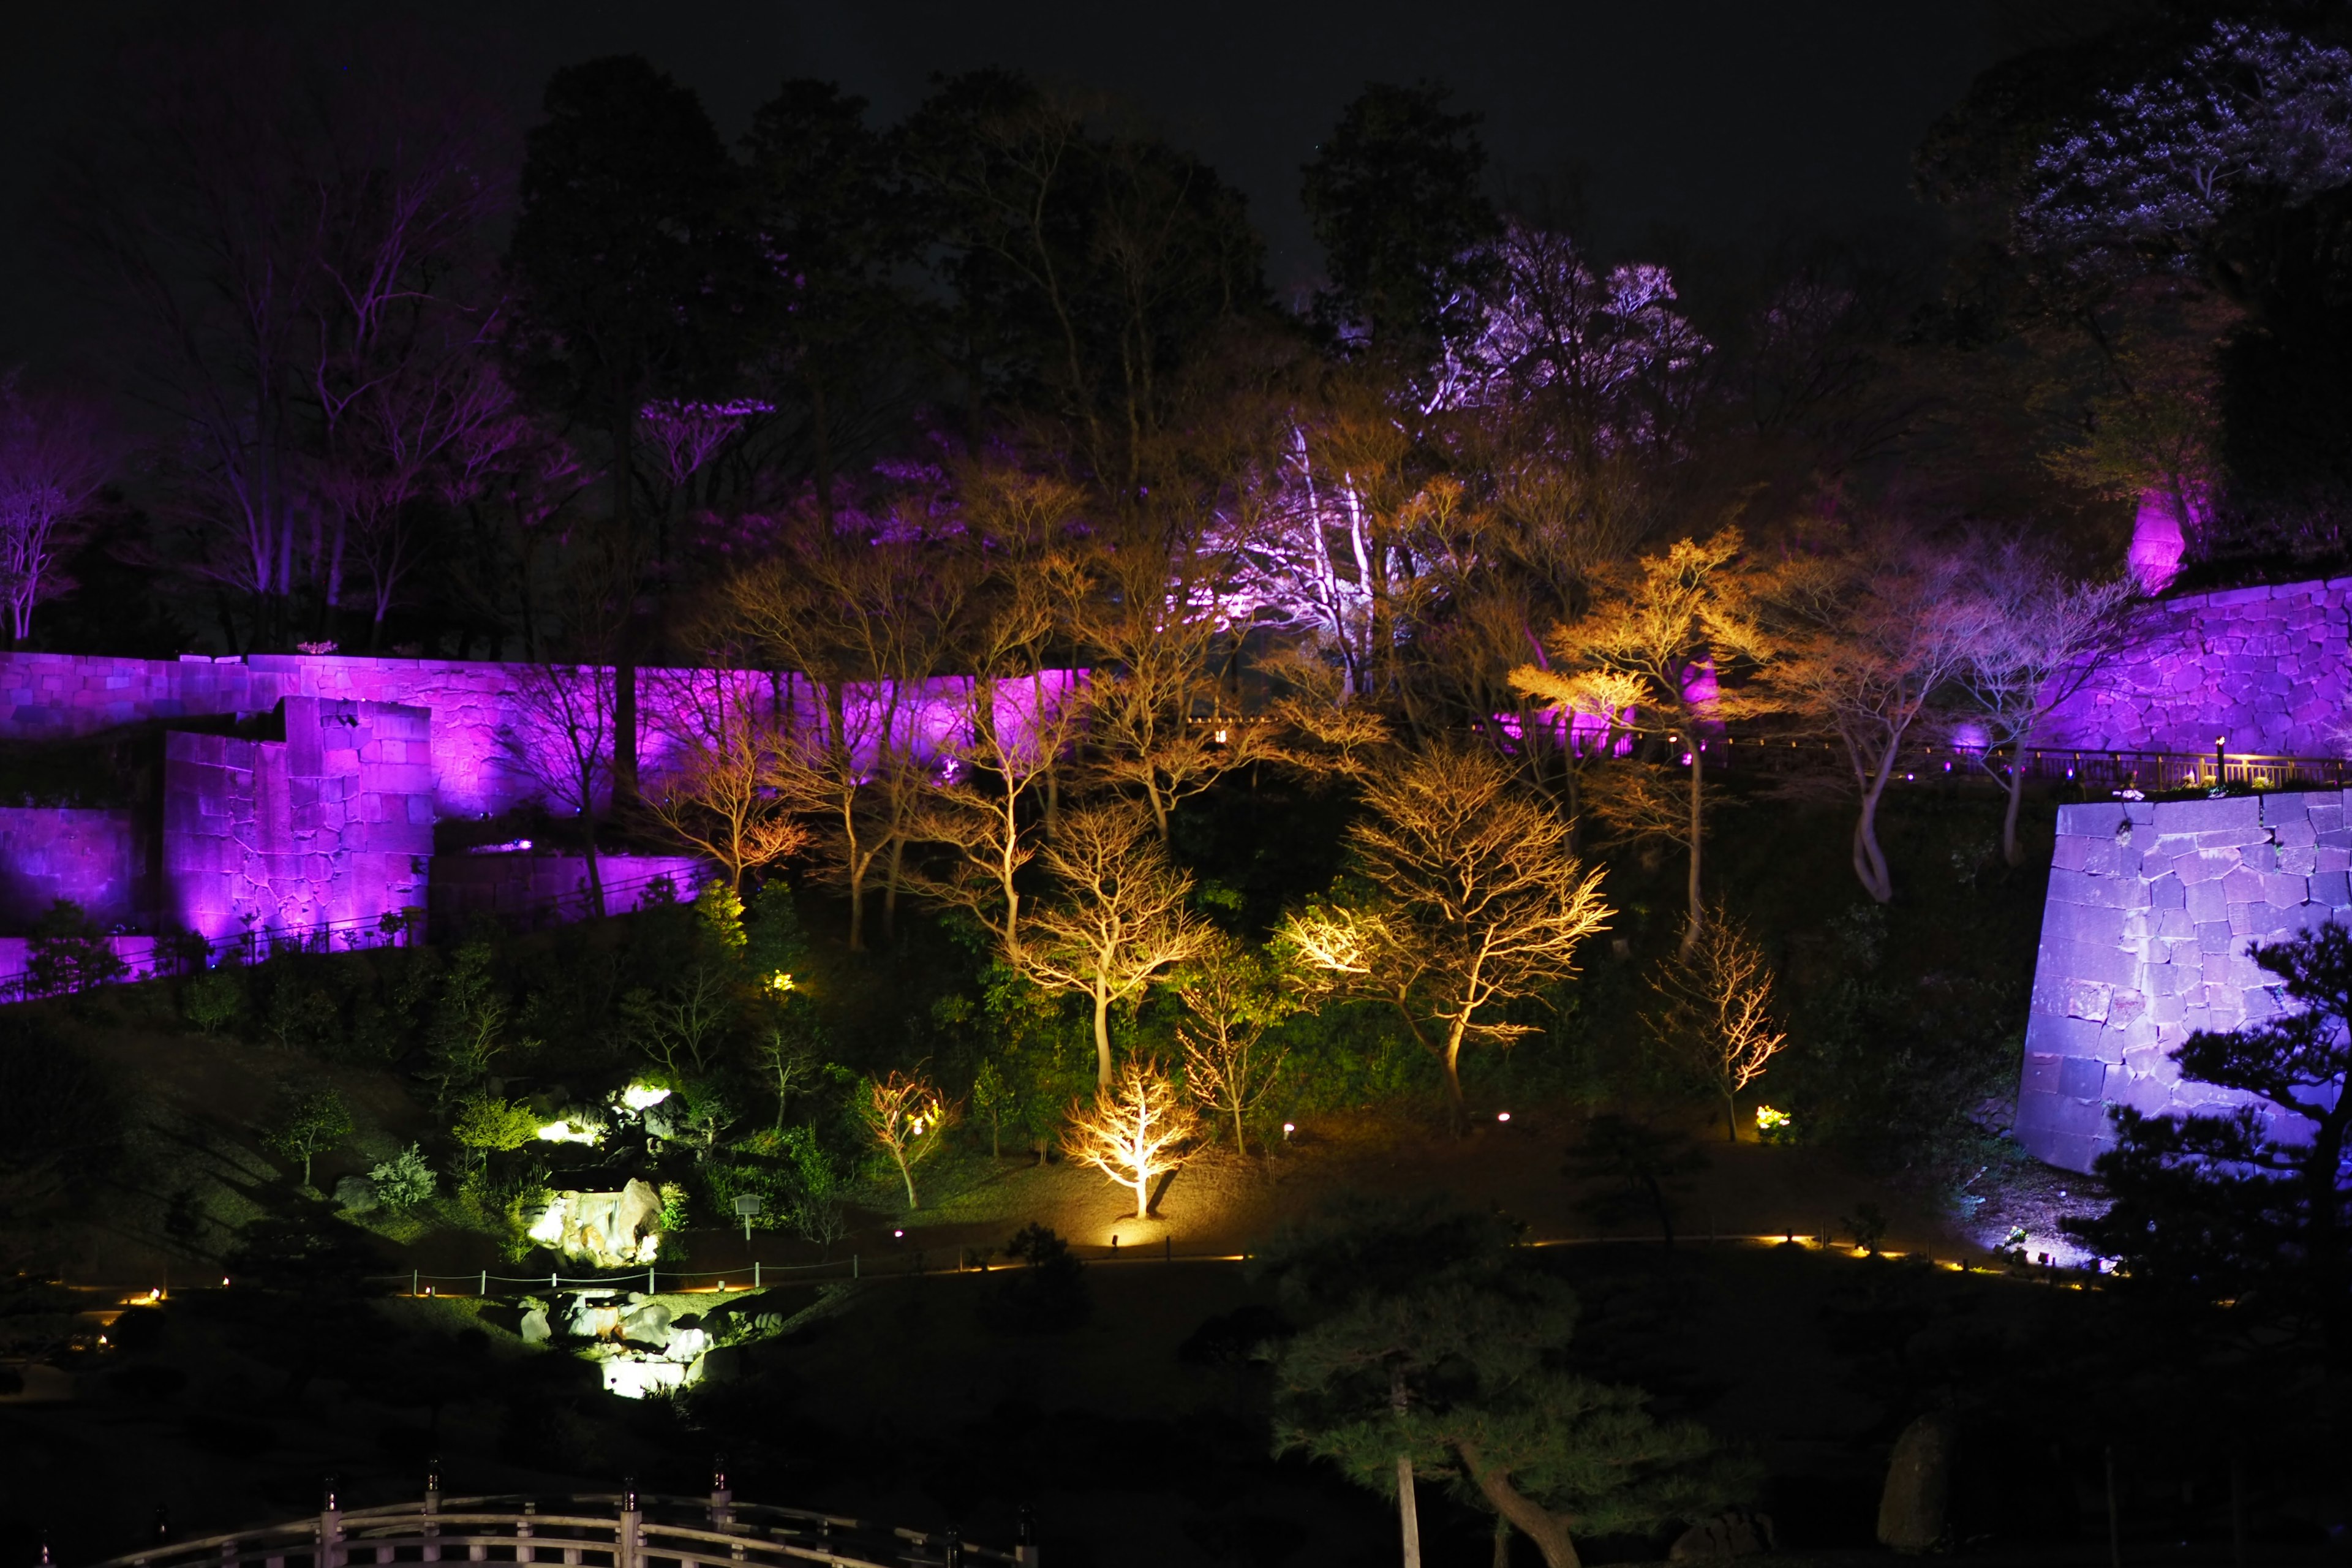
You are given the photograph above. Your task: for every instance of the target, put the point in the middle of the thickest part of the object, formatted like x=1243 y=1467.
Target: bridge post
x=331 y=1529
x=625 y=1538
x=722 y=1496
x=432 y=1553
x=1025 y=1539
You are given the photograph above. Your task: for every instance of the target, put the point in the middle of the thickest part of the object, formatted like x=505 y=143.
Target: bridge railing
x=608 y=1529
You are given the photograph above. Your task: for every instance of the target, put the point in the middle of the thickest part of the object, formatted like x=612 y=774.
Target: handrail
x=712 y=1531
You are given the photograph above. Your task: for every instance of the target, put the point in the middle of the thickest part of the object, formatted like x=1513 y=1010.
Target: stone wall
x=539 y=889
x=330 y=826
x=96 y=859
x=2263 y=667
x=2151 y=908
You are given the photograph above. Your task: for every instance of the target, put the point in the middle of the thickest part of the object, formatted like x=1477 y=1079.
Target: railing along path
x=605 y=1530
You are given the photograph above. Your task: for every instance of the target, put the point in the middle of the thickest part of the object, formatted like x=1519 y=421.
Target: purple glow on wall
x=2159 y=541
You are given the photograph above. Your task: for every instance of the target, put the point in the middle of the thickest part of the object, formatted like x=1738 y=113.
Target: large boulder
x=648 y=1325
x=636 y=1216
x=1918 y=1485
x=1738 y=1533
x=533 y=1327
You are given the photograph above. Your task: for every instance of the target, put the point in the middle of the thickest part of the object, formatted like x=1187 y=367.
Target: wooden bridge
x=603 y=1529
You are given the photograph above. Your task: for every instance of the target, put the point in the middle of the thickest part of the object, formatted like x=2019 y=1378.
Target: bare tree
x=1478 y=901
x=2044 y=638
x=729 y=796
x=1876 y=632
x=1154 y=621
x=1716 y=1012
x=1120 y=921
x=561 y=737
x=54 y=456
x=1666 y=630
x=1136 y=1129
x=1234 y=997
x=907 y=1119
x=284 y=246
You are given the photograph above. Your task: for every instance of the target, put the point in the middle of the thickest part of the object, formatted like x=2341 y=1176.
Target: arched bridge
x=602 y=1530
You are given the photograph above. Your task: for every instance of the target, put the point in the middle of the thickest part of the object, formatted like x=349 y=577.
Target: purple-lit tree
x=54 y=458
x=1603 y=362
x=2151 y=172
x=2044 y=636
x=561 y=737
x=283 y=244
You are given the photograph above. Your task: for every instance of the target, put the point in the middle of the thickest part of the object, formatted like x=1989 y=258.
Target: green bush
x=404 y=1181
x=212 y=1001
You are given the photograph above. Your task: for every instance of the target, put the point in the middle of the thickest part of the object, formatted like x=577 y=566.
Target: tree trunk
x=1408 y=1512
x=890 y=888
x=907 y=1175
x=1452 y=1061
x=1697 y=912
x=1102 y=1040
x=2010 y=850
x=1143 y=1197
x=1869 y=860
x=1547 y=1531
x=1731 y=1118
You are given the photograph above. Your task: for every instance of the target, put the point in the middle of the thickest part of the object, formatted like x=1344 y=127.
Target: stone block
x=2096 y=819
x=2109 y=893
x=2207 y=907
x=2229 y=814
x=2331 y=889
x=2055 y=1034
x=2285 y=890
x=2166 y=893
x=2245 y=886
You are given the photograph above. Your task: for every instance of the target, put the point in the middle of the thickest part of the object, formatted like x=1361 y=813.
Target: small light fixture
x=1287 y=1128
x=898 y=1235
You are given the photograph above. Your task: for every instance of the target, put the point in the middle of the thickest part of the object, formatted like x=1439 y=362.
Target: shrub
x=212 y=1001
x=404 y=1181
x=1050 y=1294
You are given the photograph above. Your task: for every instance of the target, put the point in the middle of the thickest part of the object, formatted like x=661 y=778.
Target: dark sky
x=1728 y=120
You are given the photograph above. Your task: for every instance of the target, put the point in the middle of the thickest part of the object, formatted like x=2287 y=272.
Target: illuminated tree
x=1136 y=1131
x=907 y=1120
x=487 y=1124
x=1655 y=629
x=1876 y=631
x=2045 y=636
x=53 y=459
x=1233 y=996
x=728 y=795
x=1154 y=623
x=864 y=623
x=682 y=1026
x=1603 y=361
x=2157 y=165
x=1477 y=901
x=311 y=1125
x=1121 y=920
x=1716 y=1012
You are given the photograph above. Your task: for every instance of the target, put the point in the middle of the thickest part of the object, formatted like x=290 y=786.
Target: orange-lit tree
x=1655 y=629
x=1137 y=1130
x=907 y=1118
x=728 y=795
x=1478 y=901
x=1714 y=1012
x=1121 y=920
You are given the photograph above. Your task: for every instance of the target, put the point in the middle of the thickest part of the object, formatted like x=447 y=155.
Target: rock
x=648 y=1325
x=533 y=1327
x=1738 y=1533
x=1918 y=1485
x=636 y=1216
x=356 y=1194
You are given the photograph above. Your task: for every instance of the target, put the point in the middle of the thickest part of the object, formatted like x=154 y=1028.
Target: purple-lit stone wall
x=2143 y=938
x=94 y=857
x=332 y=827
x=2262 y=669
x=534 y=887
x=492 y=749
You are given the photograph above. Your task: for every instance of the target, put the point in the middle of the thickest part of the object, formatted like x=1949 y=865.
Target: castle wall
x=332 y=827
x=95 y=858
x=2267 y=669
x=2151 y=908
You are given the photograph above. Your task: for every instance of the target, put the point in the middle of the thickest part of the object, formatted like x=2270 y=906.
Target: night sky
x=1725 y=120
